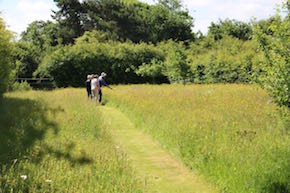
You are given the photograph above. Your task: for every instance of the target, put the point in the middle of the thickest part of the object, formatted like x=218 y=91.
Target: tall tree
x=128 y=20
x=70 y=17
x=41 y=34
x=35 y=42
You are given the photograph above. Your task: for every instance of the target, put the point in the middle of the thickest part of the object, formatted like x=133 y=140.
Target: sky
x=19 y=13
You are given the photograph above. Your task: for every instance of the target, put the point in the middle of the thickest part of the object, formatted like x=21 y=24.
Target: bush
x=276 y=49
x=5 y=56
x=230 y=60
x=69 y=65
x=21 y=86
x=174 y=66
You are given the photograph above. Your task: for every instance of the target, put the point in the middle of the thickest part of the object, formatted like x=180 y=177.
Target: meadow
x=233 y=135
x=53 y=142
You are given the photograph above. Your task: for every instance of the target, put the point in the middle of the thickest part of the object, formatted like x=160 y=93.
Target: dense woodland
x=135 y=42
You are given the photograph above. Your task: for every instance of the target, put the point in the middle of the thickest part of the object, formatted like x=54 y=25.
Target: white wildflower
x=24 y=177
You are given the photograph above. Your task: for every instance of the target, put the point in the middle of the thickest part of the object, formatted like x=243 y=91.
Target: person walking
x=95 y=87
x=102 y=82
x=88 y=86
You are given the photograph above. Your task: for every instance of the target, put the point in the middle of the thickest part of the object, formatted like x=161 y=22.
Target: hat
x=103 y=74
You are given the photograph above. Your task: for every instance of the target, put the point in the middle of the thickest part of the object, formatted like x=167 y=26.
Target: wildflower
x=24 y=177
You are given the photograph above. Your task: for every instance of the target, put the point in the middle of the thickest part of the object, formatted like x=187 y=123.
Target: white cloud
x=242 y=10
x=18 y=15
x=192 y=4
x=204 y=12
x=148 y=1
x=35 y=10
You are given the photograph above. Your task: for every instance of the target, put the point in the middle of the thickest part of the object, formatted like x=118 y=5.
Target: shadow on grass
x=278 y=180
x=67 y=155
x=22 y=123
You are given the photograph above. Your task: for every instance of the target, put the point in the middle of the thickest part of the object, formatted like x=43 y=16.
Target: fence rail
x=30 y=79
x=38 y=83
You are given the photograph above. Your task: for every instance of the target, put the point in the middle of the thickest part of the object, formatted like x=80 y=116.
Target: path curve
x=158 y=169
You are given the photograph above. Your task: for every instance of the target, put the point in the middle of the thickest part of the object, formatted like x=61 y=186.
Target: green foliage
x=68 y=66
x=165 y=24
x=5 y=56
x=232 y=28
x=174 y=66
x=96 y=37
x=126 y=20
x=229 y=60
x=154 y=70
x=41 y=34
x=276 y=48
x=21 y=86
x=69 y=17
x=173 y=5
x=264 y=25
x=37 y=40
x=26 y=57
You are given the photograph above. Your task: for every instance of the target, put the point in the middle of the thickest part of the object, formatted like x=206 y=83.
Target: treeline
x=139 y=43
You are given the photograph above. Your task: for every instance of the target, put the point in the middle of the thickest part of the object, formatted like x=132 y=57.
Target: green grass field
x=55 y=140
x=228 y=135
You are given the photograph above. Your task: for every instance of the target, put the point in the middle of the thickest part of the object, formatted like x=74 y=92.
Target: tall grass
x=52 y=142
x=232 y=134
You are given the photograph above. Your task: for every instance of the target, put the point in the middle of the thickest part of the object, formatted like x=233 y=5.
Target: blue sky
x=19 y=13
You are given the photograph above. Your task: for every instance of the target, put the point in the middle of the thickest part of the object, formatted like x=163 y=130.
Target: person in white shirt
x=95 y=87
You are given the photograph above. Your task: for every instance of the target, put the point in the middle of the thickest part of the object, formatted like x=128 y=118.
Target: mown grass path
x=159 y=170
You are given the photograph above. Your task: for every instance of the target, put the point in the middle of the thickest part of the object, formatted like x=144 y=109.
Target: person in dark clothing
x=102 y=82
x=88 y=86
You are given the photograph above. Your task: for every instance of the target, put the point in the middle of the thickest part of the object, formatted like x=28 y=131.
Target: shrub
x=230 y=60
x=174 y=66
x=20 y=86
x=69 y=65
x=5 y=56
x=276 y=49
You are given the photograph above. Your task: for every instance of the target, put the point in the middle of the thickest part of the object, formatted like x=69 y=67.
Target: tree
x=173 y=5
x=237 y=29
x=26 y=58
x=166 y=24
x=174 y=66
x=265 y=24
x=36 y=41
x=128 y=20
x=41 y=34
x=276 y=48
x=5 y=56
x=70 y=17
